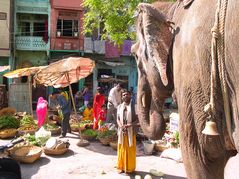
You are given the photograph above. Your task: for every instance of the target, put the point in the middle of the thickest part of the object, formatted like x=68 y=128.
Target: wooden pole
x=72 y=98
x=73 y=101
x=30 y=93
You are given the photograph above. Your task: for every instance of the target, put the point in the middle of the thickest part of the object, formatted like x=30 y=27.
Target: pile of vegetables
x=104 y=132
x=50 y=126
x=174 y=139
x=31 y=140
x=85 y=124
x=8 y=121
x=27 y=120
x=27 y=123
x=89 y=132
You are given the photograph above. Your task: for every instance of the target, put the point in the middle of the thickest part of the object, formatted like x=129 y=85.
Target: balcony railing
x=94 y=46
x=33 y=6
x=105 y=47
x=31 y=43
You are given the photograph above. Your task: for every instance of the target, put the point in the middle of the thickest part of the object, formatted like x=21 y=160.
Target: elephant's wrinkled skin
x=186 y=51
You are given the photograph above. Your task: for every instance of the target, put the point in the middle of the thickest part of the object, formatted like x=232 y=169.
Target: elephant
x=173 y=52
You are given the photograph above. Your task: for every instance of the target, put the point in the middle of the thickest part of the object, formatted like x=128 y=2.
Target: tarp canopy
x=65 y=72
x=23 y=72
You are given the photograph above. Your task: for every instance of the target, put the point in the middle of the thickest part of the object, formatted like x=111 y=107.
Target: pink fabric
x=41 y=111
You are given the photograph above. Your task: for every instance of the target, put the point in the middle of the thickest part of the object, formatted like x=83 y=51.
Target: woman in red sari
x=99 y=101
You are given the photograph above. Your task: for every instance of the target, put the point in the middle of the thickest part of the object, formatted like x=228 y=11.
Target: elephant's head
x=155 y=80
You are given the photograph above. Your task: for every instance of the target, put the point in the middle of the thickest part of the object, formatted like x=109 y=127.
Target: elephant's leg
x=203 y=156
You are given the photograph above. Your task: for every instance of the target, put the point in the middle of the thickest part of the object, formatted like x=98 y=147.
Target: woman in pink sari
x=41 y=111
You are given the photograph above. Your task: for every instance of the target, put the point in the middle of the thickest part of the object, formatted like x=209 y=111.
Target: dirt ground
x=98 y=161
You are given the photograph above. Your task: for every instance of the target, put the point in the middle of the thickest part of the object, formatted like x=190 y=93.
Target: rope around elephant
x=218 y=53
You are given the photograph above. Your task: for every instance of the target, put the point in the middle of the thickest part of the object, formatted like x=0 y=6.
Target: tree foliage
x=116 y=17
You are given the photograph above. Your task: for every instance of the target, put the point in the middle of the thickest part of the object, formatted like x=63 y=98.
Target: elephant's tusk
x=143 y=100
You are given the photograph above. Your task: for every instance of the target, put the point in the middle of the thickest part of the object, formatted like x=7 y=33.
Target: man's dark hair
x=120 y=85
x=55 y=92
x=126 y=91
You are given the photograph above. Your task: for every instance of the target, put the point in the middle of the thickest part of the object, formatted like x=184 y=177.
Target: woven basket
x=114 y=145
x=88 y=137
x=8 y=133
x=83 y=143
x=26 y=154
x=75 y=128
x=55 y=131
x=160 y=147
x=55 y=151
x=105 y=141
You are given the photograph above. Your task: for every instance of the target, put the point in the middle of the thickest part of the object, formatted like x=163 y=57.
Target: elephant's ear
x=155 y=37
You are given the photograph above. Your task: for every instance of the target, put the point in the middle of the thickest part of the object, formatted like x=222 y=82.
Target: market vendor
x=65 y=107
x=88 y=113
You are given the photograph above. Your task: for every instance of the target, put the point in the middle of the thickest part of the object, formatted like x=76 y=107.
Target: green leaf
x=113 y=17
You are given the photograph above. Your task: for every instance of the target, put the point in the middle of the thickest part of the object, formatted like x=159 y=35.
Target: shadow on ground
x=33 y=168
x=69 y=153
x=99 y=148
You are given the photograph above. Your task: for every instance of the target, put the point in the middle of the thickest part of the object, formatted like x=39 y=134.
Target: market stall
x=20 y=94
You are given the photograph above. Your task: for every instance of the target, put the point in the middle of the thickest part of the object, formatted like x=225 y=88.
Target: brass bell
x=210 y=128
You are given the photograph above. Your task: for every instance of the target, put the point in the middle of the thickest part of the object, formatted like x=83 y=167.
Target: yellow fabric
x=65 y=94
x=88 y=114
x=127 y=155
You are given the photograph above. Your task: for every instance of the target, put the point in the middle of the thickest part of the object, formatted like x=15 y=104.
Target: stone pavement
x=98 y=161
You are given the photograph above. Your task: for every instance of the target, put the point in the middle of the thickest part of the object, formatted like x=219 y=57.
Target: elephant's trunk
x=150 y=115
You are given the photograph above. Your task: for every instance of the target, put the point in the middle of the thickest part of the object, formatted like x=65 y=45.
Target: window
x=25 y=29
x=39 y=29
x=67 y=28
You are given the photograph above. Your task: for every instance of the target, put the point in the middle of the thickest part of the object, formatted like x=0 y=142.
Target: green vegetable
x=8 y=122
x=89 y=132
x=27 y=120
x=49 y=126
x=41 y=141
x=107 y=134
x=176 y=134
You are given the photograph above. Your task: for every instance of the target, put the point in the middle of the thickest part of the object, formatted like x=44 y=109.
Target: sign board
x=3 y=15
x=174 y=122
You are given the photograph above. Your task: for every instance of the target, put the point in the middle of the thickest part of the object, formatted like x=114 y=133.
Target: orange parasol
x=23 y=72
x=65 y=72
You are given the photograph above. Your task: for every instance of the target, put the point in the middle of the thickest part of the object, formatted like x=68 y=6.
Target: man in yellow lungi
x=127 y=125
